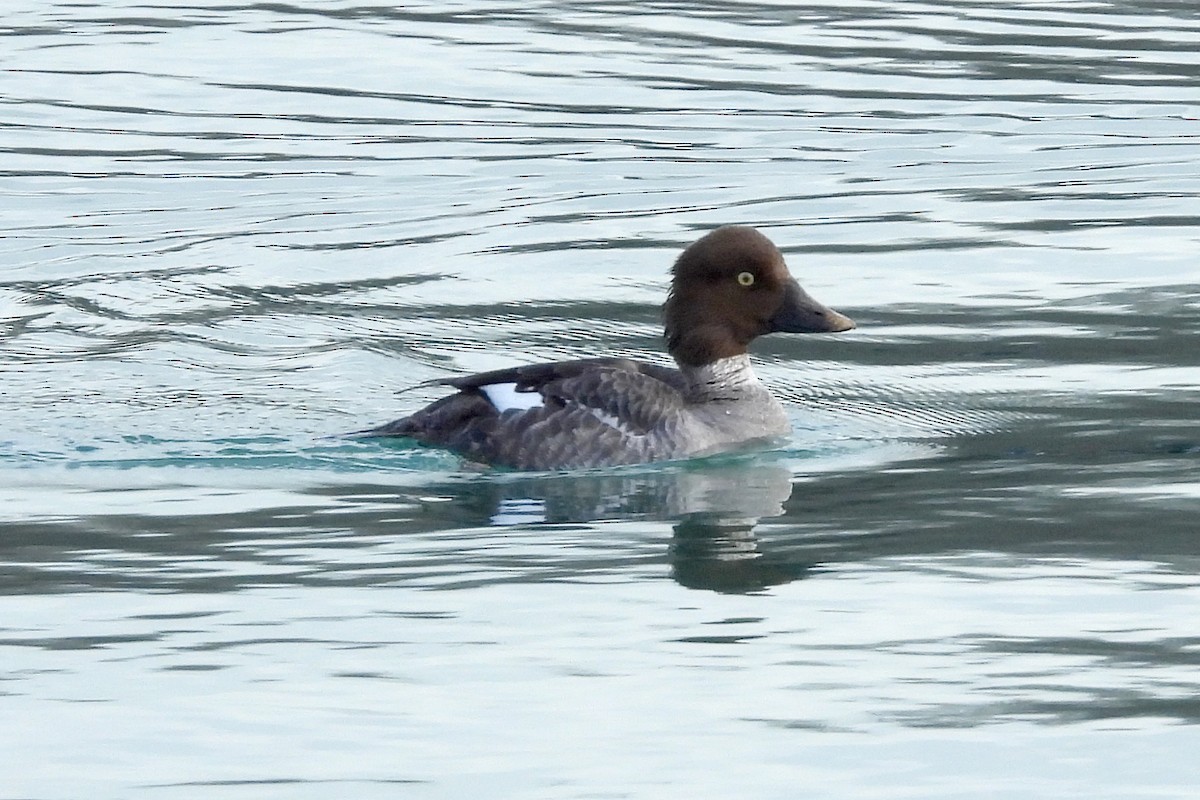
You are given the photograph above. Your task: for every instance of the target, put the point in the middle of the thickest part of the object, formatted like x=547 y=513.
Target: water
x=232 y=232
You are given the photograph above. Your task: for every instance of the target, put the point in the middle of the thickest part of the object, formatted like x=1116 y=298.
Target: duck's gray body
x=597 y=412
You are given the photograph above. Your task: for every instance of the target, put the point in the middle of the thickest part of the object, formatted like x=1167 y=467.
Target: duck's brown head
x=731 y=286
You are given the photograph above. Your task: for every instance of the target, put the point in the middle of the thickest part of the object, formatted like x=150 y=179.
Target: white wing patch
x=613 y=422
x=505 y=396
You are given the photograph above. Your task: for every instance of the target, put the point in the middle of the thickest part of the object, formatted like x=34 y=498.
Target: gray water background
x=231 y=232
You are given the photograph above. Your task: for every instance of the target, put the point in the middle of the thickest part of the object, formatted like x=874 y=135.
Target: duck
x=727 y=288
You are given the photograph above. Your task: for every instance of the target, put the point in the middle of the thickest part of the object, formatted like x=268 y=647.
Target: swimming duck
x=727 y=288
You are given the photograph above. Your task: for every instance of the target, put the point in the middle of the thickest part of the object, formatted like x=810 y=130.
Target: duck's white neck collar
x=729 y=378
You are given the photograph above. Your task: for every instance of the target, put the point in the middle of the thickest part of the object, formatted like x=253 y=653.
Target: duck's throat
x=729 y=379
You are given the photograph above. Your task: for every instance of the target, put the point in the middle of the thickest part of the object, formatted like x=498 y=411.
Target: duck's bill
x=802 y=314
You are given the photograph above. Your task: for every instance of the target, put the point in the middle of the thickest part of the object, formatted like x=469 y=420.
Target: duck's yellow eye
x=746 y=278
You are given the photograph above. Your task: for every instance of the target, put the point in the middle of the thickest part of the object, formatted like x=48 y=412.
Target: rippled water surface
x=231 y=233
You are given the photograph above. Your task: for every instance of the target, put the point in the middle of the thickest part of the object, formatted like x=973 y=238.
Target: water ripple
x=234 y=231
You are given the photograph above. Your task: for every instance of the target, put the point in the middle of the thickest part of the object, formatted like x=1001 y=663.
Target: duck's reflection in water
x=723 y=555
x=714 y=545
x=714 y=509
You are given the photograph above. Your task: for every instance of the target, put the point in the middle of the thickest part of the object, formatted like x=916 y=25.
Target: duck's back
x=564 y=415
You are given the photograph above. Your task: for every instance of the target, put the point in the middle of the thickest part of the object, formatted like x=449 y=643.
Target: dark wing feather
x=595 y=412
x=531 y=377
